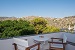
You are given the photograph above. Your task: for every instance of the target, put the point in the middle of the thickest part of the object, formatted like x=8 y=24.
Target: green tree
x=13 y=28
x=49 y=29
x=39 y=24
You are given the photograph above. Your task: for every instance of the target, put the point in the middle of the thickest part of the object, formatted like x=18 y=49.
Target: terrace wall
x=71 y=38
x=6 y=44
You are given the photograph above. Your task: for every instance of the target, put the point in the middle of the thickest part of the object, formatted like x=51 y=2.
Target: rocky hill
x=58 y=22
x=7 y=18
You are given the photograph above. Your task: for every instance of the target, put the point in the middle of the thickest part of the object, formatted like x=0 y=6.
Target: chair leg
x=63 y=46
x=49 y=46
x=38 y=47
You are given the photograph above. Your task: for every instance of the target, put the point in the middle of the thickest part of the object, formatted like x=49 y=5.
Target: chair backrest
x=21 y=44
x=64 y=38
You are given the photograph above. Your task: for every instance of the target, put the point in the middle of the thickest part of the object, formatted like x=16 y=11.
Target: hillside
x=62 y=22
x=58 y=22
x=7 y=18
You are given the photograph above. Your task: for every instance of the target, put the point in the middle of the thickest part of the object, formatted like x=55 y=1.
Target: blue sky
x=45 y=8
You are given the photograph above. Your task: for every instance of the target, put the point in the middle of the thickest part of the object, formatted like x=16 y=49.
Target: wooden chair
x=20 y=44
x=58 y=45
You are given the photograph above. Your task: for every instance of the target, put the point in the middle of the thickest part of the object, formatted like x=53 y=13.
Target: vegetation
x=41 y=26
x=11 y=28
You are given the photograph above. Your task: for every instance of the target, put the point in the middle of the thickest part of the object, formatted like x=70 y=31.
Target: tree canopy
x=9 y=28
x=41 y=26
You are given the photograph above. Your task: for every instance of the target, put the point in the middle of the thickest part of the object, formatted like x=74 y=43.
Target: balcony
x=6 y=44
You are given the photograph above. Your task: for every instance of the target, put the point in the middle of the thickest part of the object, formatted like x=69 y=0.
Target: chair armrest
x=15 y=45
x=57 y=38
x=60 y=39
x=56 y=42
x=37 y=44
